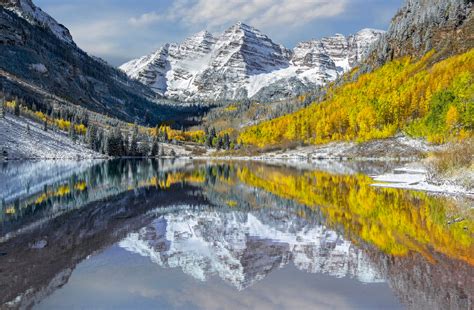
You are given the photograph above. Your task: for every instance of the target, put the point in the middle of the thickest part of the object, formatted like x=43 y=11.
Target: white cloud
x=213 y=14
x=97 y=37
x=146 y=19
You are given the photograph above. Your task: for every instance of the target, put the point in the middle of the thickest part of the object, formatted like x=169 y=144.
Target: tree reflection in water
x=239 y=221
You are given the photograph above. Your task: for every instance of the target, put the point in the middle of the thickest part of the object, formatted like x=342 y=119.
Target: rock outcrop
x=422 y=25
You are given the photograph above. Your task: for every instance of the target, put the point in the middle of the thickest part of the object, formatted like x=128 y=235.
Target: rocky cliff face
x=422 y=25
x=245 y=63
x=243 y=248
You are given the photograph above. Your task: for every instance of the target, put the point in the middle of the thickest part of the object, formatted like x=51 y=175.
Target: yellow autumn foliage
x=395 y=221
x=401 y=95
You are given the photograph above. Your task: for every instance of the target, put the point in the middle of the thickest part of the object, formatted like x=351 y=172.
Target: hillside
x=22 y=143
x=36 y=49
x=432 y=101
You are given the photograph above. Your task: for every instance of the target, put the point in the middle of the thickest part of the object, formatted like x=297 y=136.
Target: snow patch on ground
x=40 y=68
x=396 y=148
x=416 y=178
x=37 y=143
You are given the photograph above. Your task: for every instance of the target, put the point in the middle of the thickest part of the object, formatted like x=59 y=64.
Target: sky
x=120 y=30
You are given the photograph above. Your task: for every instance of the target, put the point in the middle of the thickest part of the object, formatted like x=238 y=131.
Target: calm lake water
x=142 y=234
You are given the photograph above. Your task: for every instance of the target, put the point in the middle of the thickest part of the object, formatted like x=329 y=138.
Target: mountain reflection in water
x=241 y=223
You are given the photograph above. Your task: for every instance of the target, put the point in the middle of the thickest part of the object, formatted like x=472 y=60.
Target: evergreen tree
x=208 y=141
x=45 y=125
x=16 y=110
x=114 y=144
x=28 y=129
x=133 y=149
x=2 y=108
x=144 y=148
x=173 y=153
x=72 y=132
x=101 y=142
x=210 y=137
x=155 y=149
x=162 y=151
x=226 y=141
x=4 y=154
x=213 y=133
x=220 y=143
x=92 y=137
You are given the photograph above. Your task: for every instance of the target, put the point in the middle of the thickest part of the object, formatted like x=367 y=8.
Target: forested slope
x=435 y=102
x=32 y=52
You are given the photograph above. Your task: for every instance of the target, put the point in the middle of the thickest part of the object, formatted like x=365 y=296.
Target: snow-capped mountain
x=242 y=63
x=33 y=14
x=243 y=248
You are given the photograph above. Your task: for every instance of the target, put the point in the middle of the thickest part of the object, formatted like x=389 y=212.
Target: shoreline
x=400 y=173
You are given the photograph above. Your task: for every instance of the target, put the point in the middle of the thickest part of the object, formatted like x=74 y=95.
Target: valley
x=280 y=155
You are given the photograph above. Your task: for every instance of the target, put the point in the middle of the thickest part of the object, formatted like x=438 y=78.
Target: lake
x=183 y=234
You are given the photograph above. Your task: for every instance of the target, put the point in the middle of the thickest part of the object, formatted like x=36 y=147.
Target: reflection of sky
x=121 y=280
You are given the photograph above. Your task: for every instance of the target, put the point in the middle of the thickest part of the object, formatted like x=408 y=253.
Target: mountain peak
x=34 y=15
x=240 y=26
x=204 y=34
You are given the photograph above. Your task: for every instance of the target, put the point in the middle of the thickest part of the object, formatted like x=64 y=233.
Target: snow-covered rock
x=243 y=248
x=421 y=26
x=33 y=14
x=242 y=62
x=40 y=68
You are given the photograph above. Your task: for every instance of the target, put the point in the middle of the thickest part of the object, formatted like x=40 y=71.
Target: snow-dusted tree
x=144 y=148
x=114 y=144
x=72 y=132
x=133 y=149
x=155 y=149
x=28 y=129
x=92 y=137
x=2 y=107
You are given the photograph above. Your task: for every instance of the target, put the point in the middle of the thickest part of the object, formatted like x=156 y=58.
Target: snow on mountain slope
x=27 y=10
x=242 y=62
x=19 y=143
x=243 y=248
